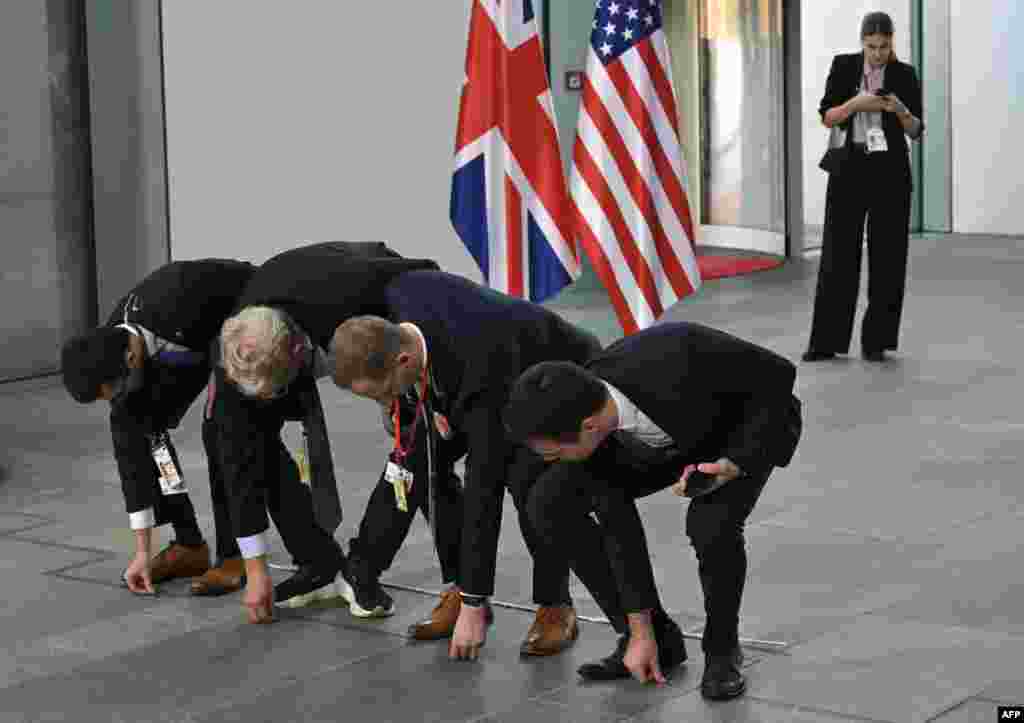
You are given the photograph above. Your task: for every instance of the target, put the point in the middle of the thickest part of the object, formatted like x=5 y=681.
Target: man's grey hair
x=255 y=348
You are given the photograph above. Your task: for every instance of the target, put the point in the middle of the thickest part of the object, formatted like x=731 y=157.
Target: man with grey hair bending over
x=272 y=351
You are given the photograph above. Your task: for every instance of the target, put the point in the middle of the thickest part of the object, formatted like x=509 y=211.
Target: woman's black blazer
x=844 y=81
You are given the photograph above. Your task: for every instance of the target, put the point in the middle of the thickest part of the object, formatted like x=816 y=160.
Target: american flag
x=510 y=202
x=628 y=181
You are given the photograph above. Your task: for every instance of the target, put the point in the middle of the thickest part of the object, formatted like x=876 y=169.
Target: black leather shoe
x=812 y=355
x=671 y=643
x=671 y=653
x=610 y=668
x=722 y=677
x=874 y=356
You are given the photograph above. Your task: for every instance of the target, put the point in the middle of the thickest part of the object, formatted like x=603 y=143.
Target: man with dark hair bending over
x=676 y=405
x=150 y=361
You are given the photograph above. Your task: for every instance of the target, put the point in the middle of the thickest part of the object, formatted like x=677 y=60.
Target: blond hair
x=255 y=349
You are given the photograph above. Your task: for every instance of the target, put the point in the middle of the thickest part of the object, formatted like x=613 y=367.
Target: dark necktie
x=181 y=358
x=323 y=484
x=430 y=443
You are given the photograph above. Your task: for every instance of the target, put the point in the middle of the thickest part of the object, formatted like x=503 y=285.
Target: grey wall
x=313 y=120
x=45 y=229
x=129 y=178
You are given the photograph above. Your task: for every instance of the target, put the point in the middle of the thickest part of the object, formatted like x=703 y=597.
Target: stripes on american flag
x=628 y=182
x=510 y=201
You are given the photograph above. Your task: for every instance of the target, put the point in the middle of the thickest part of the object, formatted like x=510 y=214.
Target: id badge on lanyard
x=396 y=473
x=875 y=140
x=401 y=481
x=172 y=481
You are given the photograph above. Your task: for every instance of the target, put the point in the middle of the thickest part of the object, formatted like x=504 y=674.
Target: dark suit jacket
x=319 y=286
x=844 y=82
x=184 y=302
x=478 y=343
x=716 y=395
x=322 y=285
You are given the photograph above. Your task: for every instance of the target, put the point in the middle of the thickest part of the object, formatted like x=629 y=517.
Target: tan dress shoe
x=554 y=629
x=441 y=623
x=179 y=561
x=228 y=577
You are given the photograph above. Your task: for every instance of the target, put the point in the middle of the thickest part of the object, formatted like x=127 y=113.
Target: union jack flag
x=628 y=179
x=510 y=202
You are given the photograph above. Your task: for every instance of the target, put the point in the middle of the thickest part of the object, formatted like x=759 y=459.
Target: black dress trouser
x=588 y=509
x=134 y=422
x=873 y=187
x=257 y=471
x=384 y=527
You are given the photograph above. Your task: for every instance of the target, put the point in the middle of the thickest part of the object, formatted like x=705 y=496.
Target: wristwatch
x=473 y=601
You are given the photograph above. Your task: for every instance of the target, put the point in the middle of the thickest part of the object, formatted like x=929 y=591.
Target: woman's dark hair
x=92 y=359
x=550 y=400
x=876 y=22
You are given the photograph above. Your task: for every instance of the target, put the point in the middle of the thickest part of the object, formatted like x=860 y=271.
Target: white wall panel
x=987 y=67
x=312 y=120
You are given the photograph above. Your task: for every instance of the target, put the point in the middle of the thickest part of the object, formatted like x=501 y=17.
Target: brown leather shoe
x=554 y=629
x=227 y=577
x=441 y=623
x=179 y=561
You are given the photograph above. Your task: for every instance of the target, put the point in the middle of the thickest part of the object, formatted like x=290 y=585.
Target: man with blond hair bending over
x=272 y=351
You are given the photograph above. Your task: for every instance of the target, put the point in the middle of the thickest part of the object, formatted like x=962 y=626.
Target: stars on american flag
x=620 y=24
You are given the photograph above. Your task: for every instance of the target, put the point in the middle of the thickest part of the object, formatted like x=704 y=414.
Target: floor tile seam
x=931 y=538
x=276 y=685
x=842 y=531
x=279 y=684
x=41 y=521
x=952 y=707
x=880 y=613
x=97 y=555
x=490 y=714
x=62 y=545
x=60 y=575
x=815 y=709
x=682 y=690
x=982 y=698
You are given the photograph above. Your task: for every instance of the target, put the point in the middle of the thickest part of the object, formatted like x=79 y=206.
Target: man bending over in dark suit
x=646 y=414
x=455 y=348
x=271 y=354
x=150 y=361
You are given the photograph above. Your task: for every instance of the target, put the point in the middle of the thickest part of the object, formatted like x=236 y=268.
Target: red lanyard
x=399 y=451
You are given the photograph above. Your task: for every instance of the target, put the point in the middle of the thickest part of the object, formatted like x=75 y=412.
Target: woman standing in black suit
x=877 y=100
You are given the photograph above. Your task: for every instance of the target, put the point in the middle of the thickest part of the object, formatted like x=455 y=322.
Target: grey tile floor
x=887 y=556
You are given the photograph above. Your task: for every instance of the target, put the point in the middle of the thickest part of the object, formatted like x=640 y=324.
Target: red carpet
x=716 y=266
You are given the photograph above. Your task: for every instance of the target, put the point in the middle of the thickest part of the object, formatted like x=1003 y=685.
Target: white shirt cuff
x=143 y=519
x=253 y=546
